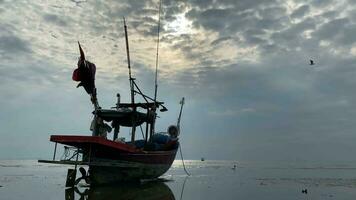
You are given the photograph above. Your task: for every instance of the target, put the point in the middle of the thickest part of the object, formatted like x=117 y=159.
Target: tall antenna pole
x=156 y=85
x=159 y=25
x=180 y=113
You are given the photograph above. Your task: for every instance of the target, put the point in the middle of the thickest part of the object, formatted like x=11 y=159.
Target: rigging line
x=181 y=192
x=181 y=155
x=158 y=30
x=142 y=132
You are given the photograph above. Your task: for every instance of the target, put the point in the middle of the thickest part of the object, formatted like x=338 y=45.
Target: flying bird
x=311 y=62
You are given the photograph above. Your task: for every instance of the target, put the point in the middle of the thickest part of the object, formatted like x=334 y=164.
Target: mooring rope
x=143 y=136
x=181 y=192
x=181 y=155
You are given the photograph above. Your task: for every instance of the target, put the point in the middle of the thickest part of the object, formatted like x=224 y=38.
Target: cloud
x=54 y=19
x=220 y=40
x=322 y=3
x=301 y=11
x=242 y=66
x=331 y=29
x=13 y=45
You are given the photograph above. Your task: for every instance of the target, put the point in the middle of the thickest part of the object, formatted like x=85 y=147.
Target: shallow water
x=27 y=179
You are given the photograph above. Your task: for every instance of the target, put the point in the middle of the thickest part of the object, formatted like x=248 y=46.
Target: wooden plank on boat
x=142 y=105
x=63 y=162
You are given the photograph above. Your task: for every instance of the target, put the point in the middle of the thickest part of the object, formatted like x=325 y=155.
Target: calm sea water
x=27 y=179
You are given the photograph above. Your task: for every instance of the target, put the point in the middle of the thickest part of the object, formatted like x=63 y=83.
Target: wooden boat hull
x=132 y=167
x=111 y=162
x=100 y=175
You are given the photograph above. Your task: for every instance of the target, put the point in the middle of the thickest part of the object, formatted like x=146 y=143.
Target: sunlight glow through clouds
x=181 y=25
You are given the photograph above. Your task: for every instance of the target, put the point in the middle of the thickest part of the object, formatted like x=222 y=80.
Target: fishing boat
x=117 y=160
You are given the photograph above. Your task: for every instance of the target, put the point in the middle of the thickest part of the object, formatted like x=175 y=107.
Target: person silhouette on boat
x=101 y=127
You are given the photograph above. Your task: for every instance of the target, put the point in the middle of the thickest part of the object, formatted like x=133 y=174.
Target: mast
x=156 y=74
x=158 y=30
x=129 y=64
x=131 y=83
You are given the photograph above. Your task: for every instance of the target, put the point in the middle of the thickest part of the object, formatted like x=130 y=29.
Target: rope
x=181 y=155
x=181 y=192
x=142 y=132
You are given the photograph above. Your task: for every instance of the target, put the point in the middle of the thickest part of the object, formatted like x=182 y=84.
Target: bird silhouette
x=311 y=62
x=305 y=191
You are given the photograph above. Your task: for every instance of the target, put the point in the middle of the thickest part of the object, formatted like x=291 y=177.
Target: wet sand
x=27 y=179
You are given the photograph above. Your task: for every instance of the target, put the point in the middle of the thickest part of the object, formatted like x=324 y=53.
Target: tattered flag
x=85 y=73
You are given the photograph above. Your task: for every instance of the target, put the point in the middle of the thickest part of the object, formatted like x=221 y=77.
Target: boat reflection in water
x=149 y=190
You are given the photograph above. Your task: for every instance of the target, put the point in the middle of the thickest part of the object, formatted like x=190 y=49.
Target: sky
x=242 y=66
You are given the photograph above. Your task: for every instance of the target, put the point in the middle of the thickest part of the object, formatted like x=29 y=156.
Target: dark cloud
x=13 y=47
x=348 y=36
x=301 y=11
x=274 y=12
x=321 y=3
x=292 y=37
x=54 y=19
x=220 y=40
x=331 y=29
x=214 y=19
x=330 y=14
x=241 y=5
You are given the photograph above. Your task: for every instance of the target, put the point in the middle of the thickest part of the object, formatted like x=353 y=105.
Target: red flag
x=85 y=73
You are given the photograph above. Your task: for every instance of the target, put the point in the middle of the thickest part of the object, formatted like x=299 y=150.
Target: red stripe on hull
x=86 y=141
